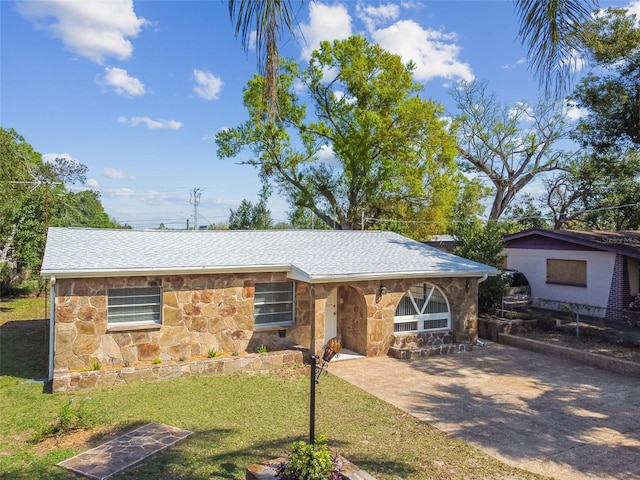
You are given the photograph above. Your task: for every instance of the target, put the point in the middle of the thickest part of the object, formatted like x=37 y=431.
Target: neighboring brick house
x=598 y=271
x=125 y=296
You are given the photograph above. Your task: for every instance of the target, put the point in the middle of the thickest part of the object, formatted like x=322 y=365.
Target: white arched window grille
x=423 y=308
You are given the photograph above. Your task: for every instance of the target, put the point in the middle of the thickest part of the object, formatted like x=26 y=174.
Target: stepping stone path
x=124 y=451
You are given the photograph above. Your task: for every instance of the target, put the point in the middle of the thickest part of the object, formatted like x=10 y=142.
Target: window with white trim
x=136 y=305
x=273 y=304
x=423 y=308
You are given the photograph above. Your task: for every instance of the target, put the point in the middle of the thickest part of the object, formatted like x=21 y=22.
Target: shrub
x=262 y=349
x=212 y=353
x=72 y=416
x=309 y=462
x=546 y=323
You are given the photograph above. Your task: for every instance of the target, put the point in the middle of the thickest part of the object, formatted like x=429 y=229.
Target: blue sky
x=135 y=90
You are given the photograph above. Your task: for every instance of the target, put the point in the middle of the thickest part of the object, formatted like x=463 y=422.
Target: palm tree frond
x=551 y=29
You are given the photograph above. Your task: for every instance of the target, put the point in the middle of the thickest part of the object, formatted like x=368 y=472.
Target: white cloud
x=634 y=8
x=121 y=82
x=122 y=193
x=94 y=29
x=376 y=16
x=325 y=23
x=511 y=66
x=576 y=113
x=151 y=123
x=51 y=157
x=523 y=112
x=434 y=52
x=113 y=173
x=92 y=183
x=207 y=85
x=327 y=155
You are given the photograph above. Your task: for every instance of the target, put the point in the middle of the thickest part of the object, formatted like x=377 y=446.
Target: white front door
x=331 y=316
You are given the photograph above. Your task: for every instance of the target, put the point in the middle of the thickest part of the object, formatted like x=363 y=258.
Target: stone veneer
x=66 y=381
x=199 y=313
x=202 y=312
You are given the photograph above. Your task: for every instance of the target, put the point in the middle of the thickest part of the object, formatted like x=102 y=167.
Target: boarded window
x=567 y=272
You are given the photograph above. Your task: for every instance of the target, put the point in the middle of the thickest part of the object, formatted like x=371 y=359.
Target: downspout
x=479 y=342
x=52 y=313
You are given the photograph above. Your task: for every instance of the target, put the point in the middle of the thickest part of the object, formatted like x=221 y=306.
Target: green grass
x=237 y=420
x=26 y=308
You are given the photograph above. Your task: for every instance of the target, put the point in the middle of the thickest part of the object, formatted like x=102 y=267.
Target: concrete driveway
x=543 y=414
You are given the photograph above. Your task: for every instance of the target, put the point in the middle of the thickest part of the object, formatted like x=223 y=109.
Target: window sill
x=583 y=285
x=272 y=328
x=133 y=327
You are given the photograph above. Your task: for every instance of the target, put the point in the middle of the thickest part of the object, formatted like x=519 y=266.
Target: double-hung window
x=423 y=308
x=274 y=304
x=138 y=305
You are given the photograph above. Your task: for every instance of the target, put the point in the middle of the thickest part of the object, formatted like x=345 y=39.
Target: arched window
x=423 y=308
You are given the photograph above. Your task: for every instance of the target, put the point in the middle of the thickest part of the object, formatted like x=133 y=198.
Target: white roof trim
x=143 y=272
x=399 y=275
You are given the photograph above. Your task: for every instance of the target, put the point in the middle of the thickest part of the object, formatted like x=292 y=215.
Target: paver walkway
x=124 y=451
x=543 y=414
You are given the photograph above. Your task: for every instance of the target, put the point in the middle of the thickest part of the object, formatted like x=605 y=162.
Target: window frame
x=153 y=308
x=419 y=318
x=257 y=302
x=556 y=264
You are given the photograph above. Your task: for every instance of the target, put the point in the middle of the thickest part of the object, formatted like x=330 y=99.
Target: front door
x=331 y=316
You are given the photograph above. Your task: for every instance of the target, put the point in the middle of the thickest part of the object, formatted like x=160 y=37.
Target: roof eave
x=401 y=275
x=143 y=272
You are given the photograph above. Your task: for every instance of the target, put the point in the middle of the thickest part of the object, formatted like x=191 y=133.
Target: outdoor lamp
x=333 y=346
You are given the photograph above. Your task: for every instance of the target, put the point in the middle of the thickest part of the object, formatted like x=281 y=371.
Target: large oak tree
x=509 y=145
x=371 y=146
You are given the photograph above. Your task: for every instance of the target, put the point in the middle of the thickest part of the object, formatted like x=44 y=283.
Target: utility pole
x=195 y=200
x=36 y=182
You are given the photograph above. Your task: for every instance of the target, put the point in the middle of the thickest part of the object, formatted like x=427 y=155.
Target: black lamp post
x=332 y=347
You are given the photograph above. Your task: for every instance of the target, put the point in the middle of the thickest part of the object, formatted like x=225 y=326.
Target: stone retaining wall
x=490 y=328
x=587 y=358
x=66 y=381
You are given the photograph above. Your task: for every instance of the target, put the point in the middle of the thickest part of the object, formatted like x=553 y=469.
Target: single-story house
x=597 y=272
x=125 y=296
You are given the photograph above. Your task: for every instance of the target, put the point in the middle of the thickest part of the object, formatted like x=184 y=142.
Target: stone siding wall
x=199 y=313
x=462 y=294
x=66 y=381
x=203 y=312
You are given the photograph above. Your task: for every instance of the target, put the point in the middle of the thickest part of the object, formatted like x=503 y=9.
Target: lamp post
x=332 y=347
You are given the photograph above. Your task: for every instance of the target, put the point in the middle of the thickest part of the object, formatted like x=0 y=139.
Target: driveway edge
x=593 y=359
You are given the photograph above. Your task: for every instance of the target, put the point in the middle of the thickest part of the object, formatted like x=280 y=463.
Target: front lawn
x=237 y=420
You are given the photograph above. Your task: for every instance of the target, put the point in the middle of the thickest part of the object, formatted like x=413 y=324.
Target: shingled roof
x=306 y=255
x=624 y=242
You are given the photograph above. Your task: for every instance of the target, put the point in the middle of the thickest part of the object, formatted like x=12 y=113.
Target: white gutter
x=141 y=272
x=52 y=314
x=401 y=275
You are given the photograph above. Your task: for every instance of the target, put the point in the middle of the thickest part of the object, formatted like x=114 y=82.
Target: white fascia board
x=142 y=272
x=400 y=276
x=299 y=275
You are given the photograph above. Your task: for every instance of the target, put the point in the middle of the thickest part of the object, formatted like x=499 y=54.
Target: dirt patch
x=79 y=440
x=293 y=371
